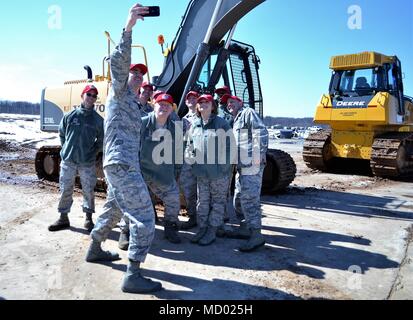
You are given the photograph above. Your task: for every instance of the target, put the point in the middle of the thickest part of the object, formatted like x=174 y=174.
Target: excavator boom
x=192 y=32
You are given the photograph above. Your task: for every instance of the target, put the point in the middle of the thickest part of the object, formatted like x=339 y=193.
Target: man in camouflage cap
x=145 y=97
x=251 y=137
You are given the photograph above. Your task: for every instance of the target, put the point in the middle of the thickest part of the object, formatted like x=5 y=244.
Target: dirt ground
x=329 y=236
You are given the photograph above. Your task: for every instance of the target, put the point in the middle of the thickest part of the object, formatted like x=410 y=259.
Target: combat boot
x=89 y=225
x=133 y=281
x=241 y=232
x=209 y=237
x=61 y=224
x=96 y=254
x=171 y=232
x=221 y=232
x=256 y=241
x=201 y=232
x=190 y=224
x=123 y=242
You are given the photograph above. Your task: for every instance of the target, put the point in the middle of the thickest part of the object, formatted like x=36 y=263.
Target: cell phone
x=154 y=11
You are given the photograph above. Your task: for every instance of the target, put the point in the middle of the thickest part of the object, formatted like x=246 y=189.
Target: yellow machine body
x=353 y=128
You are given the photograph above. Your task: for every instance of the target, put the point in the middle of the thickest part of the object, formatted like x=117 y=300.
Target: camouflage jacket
x=123 y=118
x=146 y=109
x=225 y=114
x=189 y=120
x=250 y=133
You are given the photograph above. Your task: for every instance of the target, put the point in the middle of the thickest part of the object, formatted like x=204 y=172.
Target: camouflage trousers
x=169 y=195
x=127 y=195
x=188 y=187
x=124 y=222
x=212 y=198
x=247 y=197
x=68 y=172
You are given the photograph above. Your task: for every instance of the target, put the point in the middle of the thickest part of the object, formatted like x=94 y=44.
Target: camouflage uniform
x=169 y=195
x=127 y=195
x=247 y=198
x=187 y=180
x=212 y=178
x=81 y=137
x=127 y=191
x=211 y=201
x=228 y=117
x=124 y=223
x=224 y=114
x=146 y=109
x=88 y=180
x=187 y=185
x=249 y=176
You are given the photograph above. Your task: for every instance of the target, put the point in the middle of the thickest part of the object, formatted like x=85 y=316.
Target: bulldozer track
x=280 y=171
x=392 y=155
x=314 y=151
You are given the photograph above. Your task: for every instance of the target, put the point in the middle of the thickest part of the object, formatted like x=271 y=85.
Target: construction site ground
x=329 y=236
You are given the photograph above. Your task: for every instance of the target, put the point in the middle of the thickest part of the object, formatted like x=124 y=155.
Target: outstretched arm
x=121 y=57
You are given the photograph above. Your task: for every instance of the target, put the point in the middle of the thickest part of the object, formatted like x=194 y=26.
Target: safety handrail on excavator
x=110 y=40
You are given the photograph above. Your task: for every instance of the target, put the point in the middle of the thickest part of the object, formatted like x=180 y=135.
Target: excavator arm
x=194 y=31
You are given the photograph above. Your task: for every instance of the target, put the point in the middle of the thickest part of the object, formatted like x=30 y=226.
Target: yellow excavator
x=200 y=58
x=368 y=115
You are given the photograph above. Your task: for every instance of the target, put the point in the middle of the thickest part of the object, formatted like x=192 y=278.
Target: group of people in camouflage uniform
x=131 y=137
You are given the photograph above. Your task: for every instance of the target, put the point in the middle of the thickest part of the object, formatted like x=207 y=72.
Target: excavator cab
x=239 y=73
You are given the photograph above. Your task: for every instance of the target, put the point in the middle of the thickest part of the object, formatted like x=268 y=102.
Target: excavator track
x=316 y=151
x=279 y=172
x=47 y=163
x=392 y=155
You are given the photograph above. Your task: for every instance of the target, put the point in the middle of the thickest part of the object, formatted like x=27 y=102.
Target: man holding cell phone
x=127 y=192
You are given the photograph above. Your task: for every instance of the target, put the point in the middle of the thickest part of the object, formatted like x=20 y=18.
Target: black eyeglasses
x=92 y=95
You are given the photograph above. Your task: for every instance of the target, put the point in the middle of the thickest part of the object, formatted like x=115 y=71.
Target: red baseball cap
x=139 y=67
x=157 y=93
x=192 y=93
x=147 y=84
x=90 y=88
x=223 y=89
x=165 y=97
x=225 y=98
x=205 y=97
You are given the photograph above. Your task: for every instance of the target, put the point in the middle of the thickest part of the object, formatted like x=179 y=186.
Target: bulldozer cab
x=240 y=74
x=365 y=82
x=358 y=83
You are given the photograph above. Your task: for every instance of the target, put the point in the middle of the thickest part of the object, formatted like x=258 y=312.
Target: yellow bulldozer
x=368 y=117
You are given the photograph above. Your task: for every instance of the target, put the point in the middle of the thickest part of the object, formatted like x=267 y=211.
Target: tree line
x=19 y=107
x=288 y=122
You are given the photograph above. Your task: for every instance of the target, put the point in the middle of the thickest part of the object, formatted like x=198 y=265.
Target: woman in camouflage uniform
x=210 y=152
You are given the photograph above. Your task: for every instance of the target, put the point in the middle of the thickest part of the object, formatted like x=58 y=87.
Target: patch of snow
x=25 y=130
